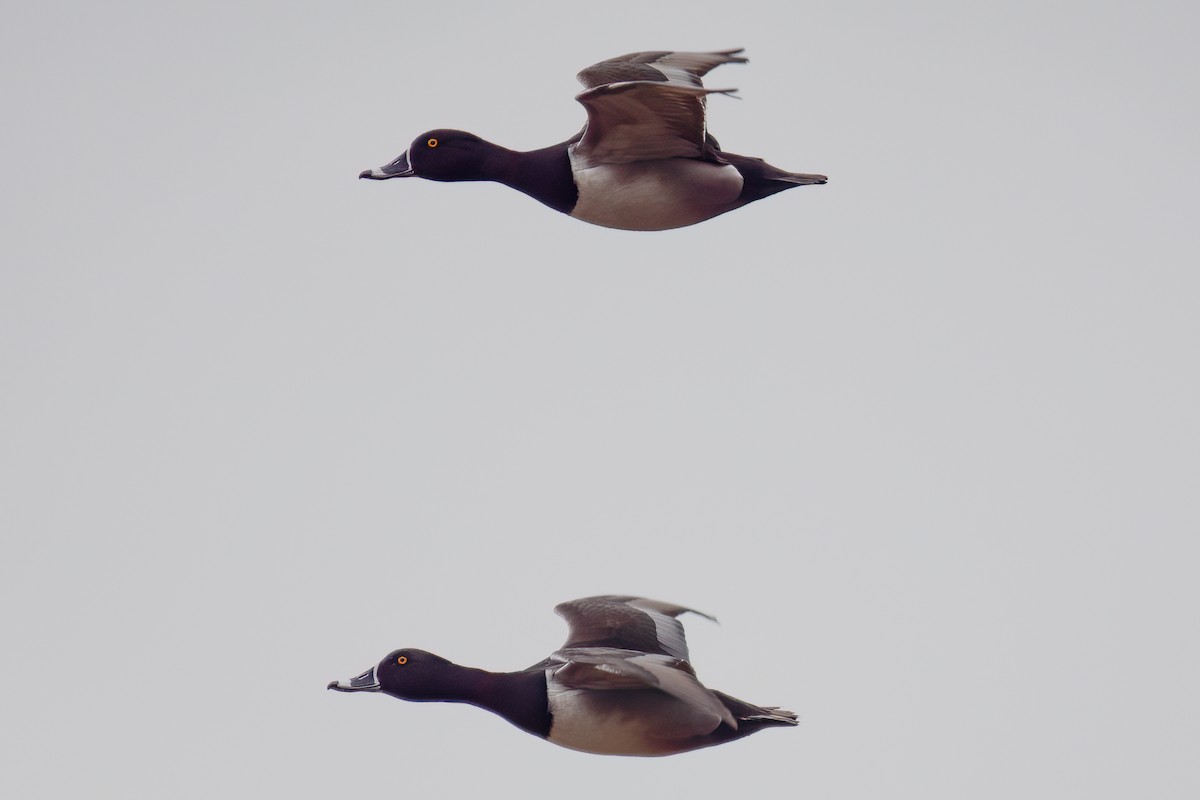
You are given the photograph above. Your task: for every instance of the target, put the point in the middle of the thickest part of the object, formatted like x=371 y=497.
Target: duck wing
x=627 y=623
x=648 y=105
x=659 y=65
x=615 y=669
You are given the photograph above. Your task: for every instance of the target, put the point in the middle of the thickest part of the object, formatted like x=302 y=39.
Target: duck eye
x=432 y=142
x=402 y=660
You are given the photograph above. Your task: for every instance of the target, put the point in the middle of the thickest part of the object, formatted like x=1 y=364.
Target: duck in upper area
x=644 y=161
x=621 y=685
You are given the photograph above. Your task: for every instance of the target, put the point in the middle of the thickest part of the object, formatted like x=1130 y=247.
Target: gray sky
x=925 y=439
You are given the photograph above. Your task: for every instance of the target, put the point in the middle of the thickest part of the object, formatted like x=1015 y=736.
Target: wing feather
x=625 y=622
x=611 y=669
x=647 y=106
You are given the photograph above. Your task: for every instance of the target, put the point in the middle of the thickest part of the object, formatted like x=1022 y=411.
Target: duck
x=622 y=684
x=644 y=161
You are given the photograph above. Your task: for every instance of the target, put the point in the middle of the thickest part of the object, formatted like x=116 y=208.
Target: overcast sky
x=924 y=439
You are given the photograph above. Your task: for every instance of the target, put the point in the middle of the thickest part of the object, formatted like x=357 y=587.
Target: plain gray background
x=925 y=439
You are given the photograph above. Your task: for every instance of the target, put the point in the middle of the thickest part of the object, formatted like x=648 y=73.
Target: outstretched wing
x=651 y=105
x=627 y=623
x=659 y=65
x=611 y=669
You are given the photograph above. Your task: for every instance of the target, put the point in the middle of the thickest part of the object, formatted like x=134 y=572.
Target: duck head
x=438 y=155
x=407 y=674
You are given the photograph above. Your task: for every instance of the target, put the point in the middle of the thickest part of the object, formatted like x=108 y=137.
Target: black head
x=407 y=674
x=439 y=155
x=414 y=675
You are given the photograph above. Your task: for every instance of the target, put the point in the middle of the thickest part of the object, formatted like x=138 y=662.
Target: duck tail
x=763 y=715
x=775 y=716
x=761 y=179
x=801 y=178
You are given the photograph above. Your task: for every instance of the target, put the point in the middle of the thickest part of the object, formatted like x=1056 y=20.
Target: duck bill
x=400 y=168
x=366 y=682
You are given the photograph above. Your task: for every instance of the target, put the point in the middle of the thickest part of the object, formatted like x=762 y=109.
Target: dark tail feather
x=761 y=179
x=801 y=179
x=750 y=719
x=763 y=715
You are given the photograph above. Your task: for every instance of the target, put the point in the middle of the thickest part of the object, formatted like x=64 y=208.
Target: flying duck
x=621 y=685
x=644 y=161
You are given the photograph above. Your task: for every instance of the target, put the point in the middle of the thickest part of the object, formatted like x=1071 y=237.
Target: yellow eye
x=432 y=142
x=402 y=660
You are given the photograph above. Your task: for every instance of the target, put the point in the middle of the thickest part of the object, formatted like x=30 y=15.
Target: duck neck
x=545 y=174
x=519 y=697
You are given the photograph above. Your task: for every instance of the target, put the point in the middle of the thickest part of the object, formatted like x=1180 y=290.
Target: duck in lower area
x=621 y=685
x=644 y=161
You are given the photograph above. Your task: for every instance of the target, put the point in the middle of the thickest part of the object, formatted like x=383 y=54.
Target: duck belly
x=654 y=195
x=625 y=722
